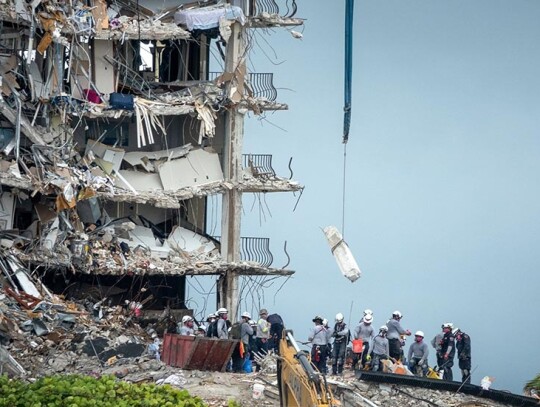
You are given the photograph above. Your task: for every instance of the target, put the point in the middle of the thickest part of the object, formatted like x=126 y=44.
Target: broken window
x=112 y=133
x=180 y=60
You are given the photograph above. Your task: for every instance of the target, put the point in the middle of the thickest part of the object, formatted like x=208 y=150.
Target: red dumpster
x=196 y=352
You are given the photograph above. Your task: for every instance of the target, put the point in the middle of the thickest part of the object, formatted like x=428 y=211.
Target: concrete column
x=232 y=169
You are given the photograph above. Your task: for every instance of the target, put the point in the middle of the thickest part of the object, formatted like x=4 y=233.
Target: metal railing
x=256 y=249
x=284 y=8
x=262 y=84
x=260 y=165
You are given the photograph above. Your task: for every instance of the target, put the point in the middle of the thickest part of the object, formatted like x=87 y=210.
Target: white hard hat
x=252 y=322
x=339 y=317
x=246 y=315
x=211 y=316
x=325 y=322
x=456 y=331
x=186 y=318
x=222 y=311
x=448 y=325
x=202 y=328
x=368 y=312
x=419 y=333
x=368 y=319
x=397 y=314
x=383 y=328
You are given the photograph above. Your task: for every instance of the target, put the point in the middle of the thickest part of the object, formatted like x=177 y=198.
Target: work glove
x=368 y=358
x=445 y=356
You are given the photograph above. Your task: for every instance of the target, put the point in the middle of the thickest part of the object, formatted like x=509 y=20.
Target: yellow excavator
x=300 y=383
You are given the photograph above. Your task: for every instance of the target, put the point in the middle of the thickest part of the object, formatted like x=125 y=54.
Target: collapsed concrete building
x=114 y=133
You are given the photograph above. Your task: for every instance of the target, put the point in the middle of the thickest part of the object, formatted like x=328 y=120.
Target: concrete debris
x=266 y=19
x=344 y=258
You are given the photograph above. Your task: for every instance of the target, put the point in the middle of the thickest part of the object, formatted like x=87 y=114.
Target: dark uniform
x=339 y=349
x=463 y=345
x=448 y=347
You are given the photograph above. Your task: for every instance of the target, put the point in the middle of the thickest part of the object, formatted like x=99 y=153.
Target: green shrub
x=534 y=384
x=86 y=391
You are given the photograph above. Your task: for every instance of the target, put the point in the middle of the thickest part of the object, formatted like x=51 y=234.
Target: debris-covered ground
x=57 y=336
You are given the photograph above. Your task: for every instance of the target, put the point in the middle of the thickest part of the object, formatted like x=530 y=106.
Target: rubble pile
x=406 y=396
x=42 y=337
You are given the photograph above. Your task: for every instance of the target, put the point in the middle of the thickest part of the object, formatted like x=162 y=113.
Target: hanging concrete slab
x=145 y=158
x=111 y=157
x=189 y=241
x=143 y=236
x=104 y=72
x=199 y=167
x=343 y=255
x=23 y=278
x=140 y=181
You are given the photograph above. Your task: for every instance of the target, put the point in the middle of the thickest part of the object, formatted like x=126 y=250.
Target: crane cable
x=349 y=13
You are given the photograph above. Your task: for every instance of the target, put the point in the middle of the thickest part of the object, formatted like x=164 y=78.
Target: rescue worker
x=381 y=348
x=418 y=355
x=463 y=346
x=201 y=331
x=263 y=332
x=187 y=326
x=222 y=326
x=319 y=343
x=211 y=326
x=365 y=332
x=436 y=341
x=445 y=356
x=276 y=331
x=209 y=319
x=341 y=337
x=240 y=354
x=394 y=332
x=253 y=339
x=329 y=332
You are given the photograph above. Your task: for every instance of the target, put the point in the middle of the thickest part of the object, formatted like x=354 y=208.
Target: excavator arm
x=300 y=383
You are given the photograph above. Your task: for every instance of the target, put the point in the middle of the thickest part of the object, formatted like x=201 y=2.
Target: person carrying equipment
x=319 y=341
x=447 y=352
x=364 y=332
x=341 y=337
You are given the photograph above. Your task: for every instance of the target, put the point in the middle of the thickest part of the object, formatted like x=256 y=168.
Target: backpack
x=211 y=332
x=236 y=331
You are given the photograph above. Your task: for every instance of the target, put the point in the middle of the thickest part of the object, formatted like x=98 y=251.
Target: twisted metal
x=287 y=10
x=256 y=249
x=259 y=164
x=262 y=84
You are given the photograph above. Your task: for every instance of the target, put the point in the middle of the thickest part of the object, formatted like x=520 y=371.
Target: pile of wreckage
x=42 y=333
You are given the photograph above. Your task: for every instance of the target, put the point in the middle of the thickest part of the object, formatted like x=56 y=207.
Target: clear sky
x=442 y=177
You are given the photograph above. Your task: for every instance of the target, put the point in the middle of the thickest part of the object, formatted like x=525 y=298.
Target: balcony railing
x=262 y=84
x=256 y=249
x=260 y=165
x=284 y=8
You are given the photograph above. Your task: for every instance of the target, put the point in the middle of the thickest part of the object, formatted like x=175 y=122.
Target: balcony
x=283 y=8
x=261 y=84
x=259 y=165
x=255 y=249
